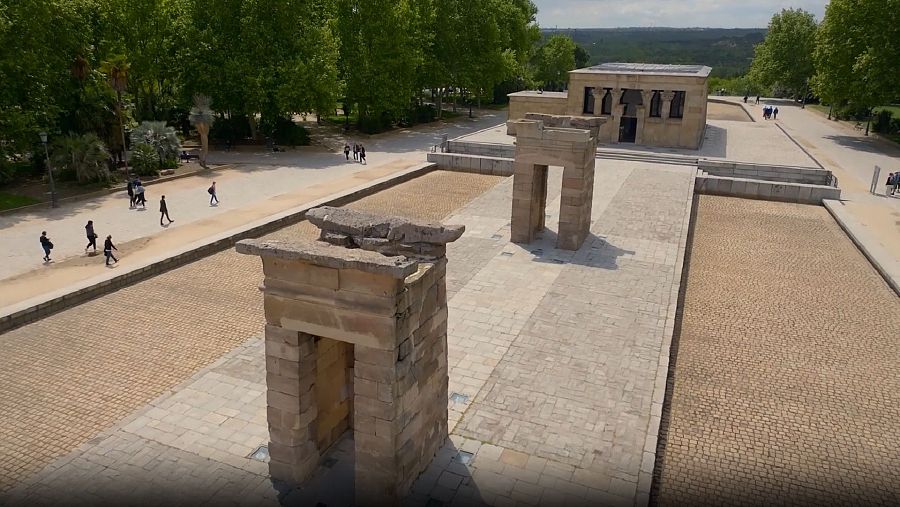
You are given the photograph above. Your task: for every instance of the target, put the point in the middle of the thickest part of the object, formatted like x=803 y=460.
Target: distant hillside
x=727 y=50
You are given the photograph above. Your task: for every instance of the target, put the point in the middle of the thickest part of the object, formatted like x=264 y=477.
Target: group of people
x=892 y=185
x=136 y=197
x=359 y=153
x=770 y=113
x=108 y=245
x=136 y=194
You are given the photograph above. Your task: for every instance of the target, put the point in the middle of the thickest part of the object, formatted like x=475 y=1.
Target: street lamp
x=53 y=203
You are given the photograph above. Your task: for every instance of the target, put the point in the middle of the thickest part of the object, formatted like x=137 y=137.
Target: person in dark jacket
x=130 y=190
x=91 y=236
x=163 y=211
x=47 y=245
x=362 y=154
x=347 y=151
x=108 y=247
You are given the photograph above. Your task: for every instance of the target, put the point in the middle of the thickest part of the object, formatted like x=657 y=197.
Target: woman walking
x=91 y=236
x=212 y=195
x=47 y=245
x=130 y=190
x=108 y=247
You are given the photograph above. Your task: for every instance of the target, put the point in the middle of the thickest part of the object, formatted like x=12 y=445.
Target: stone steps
x=653 y=158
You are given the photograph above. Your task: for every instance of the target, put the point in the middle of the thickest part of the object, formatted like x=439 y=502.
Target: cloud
x=668 y=13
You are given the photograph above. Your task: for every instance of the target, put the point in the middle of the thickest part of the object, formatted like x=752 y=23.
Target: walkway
x=67 y=377
x=555 y=364
x=786 y=388
x=260 y=184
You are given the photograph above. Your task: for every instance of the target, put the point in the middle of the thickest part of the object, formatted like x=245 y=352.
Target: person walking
x=130 y=190
x=889 y=184
x=139 y=197
x=91 y=236
x=362 y=154
x=347 y=151
x=212 y=196
x=355 y=152
x=47 y=245
x=896 y=183
x=757 y=99
x=775 y=114
x=163 y=211
x=108 y=247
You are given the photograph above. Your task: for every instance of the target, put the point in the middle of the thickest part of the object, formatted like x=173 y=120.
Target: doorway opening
x=627 y=130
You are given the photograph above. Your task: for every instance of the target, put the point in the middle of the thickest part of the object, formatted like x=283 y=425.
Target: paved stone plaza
x=69 y=376
x=785 y=376
x=554 y=358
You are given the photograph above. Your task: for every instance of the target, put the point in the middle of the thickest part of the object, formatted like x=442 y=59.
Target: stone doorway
x=570 y=142
x=628 y=130
x=356 y=339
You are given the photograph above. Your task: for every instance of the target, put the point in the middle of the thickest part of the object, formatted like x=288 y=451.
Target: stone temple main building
x=647 y=104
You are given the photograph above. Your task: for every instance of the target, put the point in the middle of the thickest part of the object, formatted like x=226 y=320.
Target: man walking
x=47 y=245
x=130 y=190
x=347 y=151
x=139 y=197
x=355 y=152
x=163 y=211
x=896 y=183
x=91 y=236
x=362 y=154
x=775 y=114
x=108 y=247
x=889 y=184
x=212 y=196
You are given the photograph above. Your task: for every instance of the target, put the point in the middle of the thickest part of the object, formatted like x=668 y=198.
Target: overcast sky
x=673 y=13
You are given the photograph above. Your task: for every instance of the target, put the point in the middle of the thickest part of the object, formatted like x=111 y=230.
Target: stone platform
x=557 y=361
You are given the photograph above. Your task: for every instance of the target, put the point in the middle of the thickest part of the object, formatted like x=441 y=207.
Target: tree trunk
x=253 y=126
x=203 y=130
x=122 y=130
x=440 y=103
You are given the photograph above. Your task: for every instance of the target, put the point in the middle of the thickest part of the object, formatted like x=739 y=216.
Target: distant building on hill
x=647 y=104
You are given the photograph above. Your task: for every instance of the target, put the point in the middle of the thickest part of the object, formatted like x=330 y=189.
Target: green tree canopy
x=858 y=53
x=553 y=62
x=785 y=57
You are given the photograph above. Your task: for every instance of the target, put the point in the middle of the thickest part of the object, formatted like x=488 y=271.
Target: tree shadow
x=859 y=144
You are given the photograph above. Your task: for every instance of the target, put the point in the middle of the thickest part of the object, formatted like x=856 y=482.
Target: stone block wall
x=477 y=164
x=784 y=174
x=765 y=190
x=356 y=338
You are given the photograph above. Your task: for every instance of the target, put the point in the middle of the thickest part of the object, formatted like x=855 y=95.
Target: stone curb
x=883 y=262
x=113 y=190
x=37 y=308
x=657 y=402
x=804 y=150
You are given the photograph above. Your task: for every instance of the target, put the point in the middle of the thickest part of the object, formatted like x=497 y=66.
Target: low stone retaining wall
x=484 y=149
x=765 y=190
x=29 y=311
x=783 y=174
x=477 y=164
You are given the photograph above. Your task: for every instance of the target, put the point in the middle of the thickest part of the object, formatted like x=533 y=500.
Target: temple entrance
x=627 y=130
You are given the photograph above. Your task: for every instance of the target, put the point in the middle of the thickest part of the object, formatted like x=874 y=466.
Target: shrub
x=373 y=124
x=285 y=132
x=160 y=137
x=145 y=160
x=81 y=157
x=230 y=129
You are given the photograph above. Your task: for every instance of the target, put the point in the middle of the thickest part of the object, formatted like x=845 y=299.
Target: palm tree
x=202 y=118
x=159 y=136
x=116 y=70
x=85 y=155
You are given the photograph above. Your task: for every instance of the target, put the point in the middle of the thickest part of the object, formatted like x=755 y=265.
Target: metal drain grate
x=496 y=236
x=459 y=398
x=506 y=254
x=261 y=454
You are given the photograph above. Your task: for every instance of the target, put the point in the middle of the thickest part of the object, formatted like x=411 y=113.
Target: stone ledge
x=765 y=190
x=324 y=254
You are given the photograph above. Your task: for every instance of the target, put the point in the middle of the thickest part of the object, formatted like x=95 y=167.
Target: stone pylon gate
x=573 y=146
x=356 y=338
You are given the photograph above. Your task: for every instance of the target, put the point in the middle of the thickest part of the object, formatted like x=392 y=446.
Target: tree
x=202 y=118
x=582 y=57
x=158 y=136
x=84 y=155
x=856 y=55
x=785 y=57
x=553 y=62
x=116 y=70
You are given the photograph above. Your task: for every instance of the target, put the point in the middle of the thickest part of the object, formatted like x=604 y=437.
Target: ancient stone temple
x=356 y=340
x=646 y=104
x=572 y=144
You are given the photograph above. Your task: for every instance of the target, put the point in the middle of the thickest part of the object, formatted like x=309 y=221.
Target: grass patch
x=10 y=201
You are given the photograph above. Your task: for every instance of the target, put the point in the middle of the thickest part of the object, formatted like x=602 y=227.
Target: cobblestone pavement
x=553 y=366
x=786 y=388
x=69 y=376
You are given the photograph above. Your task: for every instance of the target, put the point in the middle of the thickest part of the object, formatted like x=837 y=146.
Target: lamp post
x=53 y=203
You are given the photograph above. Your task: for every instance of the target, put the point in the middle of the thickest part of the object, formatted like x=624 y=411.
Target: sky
x=667 y=13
